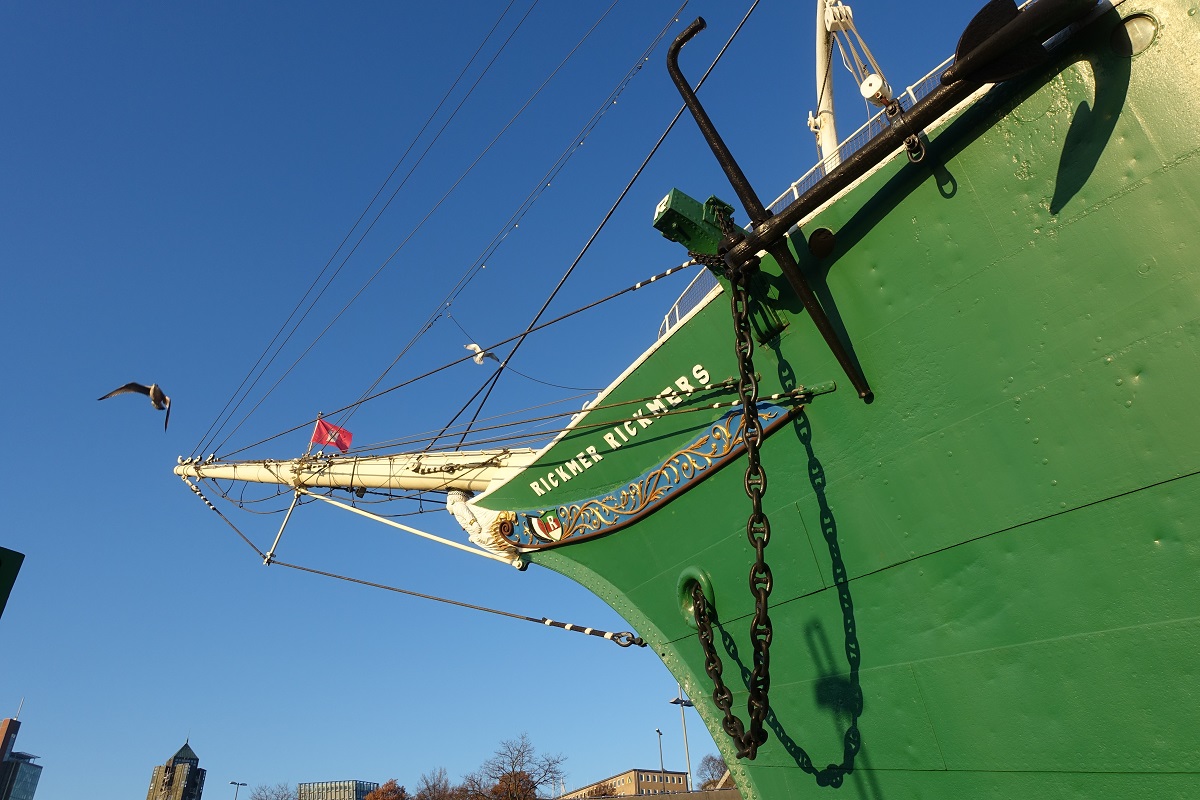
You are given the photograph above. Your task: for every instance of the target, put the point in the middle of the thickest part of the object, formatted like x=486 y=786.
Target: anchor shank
x=745 y=192
x=759 y=215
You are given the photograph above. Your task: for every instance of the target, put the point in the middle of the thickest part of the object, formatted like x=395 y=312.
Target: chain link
x=758 y=532
x=707 y=260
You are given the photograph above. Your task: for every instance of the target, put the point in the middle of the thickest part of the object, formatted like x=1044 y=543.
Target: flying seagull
x=157 y=399
x=480 y=353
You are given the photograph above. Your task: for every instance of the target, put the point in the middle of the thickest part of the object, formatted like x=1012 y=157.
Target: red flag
x=331 y=434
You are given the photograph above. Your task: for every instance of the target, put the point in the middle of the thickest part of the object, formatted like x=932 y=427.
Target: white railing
x=696 y=291
x=703 y=283
x=908 y=98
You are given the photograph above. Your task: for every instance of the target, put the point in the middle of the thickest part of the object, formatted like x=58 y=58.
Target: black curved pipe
x=928 y=109
x=758 y=216
x=745 y=192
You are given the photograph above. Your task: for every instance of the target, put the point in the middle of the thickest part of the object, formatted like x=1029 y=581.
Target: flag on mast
x=325 y=433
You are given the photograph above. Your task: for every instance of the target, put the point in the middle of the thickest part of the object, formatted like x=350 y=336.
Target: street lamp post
x=236 y=786
x=682 y=703
x=662 y=772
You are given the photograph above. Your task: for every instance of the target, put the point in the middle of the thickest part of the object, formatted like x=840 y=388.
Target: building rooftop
x=186 y=753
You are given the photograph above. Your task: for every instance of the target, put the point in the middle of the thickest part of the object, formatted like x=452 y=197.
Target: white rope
x=860 y=66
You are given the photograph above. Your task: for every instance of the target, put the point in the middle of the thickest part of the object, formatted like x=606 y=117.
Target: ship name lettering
x=627 y=429
x=561 y=474
x=657 y=407
x=624 y=430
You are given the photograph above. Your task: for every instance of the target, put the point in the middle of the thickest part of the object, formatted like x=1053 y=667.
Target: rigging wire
x=511 y=439
x=419 y=438
x=608 y=215
x=458 y=324
x=425 y=435
x=420 y=224
x=539 y=188
x=429 y=120
x=859 y=65
x=489 y=384
x=443 y=367
x=534 y=326
x=801 y=395
x=624 y=638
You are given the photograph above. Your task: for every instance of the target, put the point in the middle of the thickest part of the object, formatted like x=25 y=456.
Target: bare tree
x=435 y=785
x=712 y=768
x=475 y=786
x=515 y=772
x=280 y=791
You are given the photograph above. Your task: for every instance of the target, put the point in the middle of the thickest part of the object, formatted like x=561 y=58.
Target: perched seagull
x=157 y=399
x=480 y=353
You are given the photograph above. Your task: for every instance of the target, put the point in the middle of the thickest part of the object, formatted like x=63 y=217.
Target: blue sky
x=173 y=179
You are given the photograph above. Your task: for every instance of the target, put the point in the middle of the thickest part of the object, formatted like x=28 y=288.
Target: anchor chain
x=758 y=532
x=707 y=259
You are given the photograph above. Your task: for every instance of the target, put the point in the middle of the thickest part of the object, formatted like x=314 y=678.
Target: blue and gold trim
x=719 y=445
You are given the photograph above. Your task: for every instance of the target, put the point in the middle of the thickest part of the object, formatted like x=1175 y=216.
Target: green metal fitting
x=697 y=227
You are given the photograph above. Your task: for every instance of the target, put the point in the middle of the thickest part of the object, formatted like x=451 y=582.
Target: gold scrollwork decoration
x=681 y=469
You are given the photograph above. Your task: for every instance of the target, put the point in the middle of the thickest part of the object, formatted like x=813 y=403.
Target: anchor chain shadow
x=1090 y=130
x=840 y=693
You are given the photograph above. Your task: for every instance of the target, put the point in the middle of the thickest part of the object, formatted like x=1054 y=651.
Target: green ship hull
x=985 y=580
x=999 y=554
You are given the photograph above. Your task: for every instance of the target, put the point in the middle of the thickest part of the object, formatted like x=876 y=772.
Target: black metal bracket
x=743 y=251
x=995 y=39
